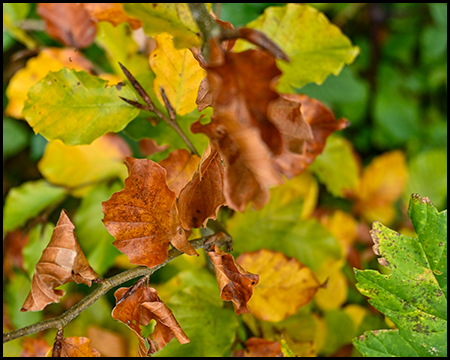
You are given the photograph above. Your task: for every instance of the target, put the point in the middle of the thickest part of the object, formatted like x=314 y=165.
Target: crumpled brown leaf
x=77 y=347
x=257 y=347
x=141 y=217
x=202 y=197
x=62 y=261
x=301 y=152
x=235 y=284
x=69 y=23
x=137 y=308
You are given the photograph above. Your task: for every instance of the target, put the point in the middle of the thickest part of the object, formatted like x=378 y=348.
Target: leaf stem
x=109 y=283
x=152 y=108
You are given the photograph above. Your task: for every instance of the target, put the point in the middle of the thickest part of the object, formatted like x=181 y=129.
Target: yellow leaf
x=177 y=72
x=79 y=167
x=49 y=59
x=381 y=185
x=285 y=284
x=343 y=226
x=334 y=294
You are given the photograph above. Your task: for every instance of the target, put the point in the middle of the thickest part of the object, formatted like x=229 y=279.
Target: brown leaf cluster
x=77 y=347
x=235 y=284
x=61 y=262
x=146 y=216
x=260 y=134
x=136 y=307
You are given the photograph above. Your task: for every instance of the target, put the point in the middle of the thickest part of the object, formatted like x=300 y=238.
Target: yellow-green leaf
x=315 y=47
x=76 y=107
x=80 y=167
x=175 y=18
x=177 y=72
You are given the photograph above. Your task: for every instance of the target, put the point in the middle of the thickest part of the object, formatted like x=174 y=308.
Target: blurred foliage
x=394 y=95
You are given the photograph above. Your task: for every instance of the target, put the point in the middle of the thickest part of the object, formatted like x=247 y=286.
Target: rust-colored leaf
x=202 y=197
x=137 y=308
x=236 y=284
x=139 y=216
x=240 y=89
x=257 y=347
x=61 y=262
x=179 y=236
x=322 y=122
x=180 y=166
x=69 y=23
x=77 y=347
x=111 y=12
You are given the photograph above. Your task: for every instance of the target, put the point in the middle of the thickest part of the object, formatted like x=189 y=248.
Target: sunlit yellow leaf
x=285 y=284
x=343 y=226
x=381 y=185
x=49 y=59
x=79 y=167
x=177 y=72
x=334 y=294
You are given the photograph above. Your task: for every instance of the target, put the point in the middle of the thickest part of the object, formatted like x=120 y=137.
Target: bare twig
x=152 y=108
x=109 y=283
x=58 y=342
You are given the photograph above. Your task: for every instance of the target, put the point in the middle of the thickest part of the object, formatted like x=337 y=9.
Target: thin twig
x=152 y=108
x=109 y=283
x=58 y=342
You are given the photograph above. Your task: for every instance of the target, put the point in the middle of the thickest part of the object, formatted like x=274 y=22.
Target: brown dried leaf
x=179 y=236
x=111 y=12
x=139 y=307
x=149 y=147
x=61 y=262
x=257 y=347
x=240 y=87
x=202 y=197
x=139 y=216
x=69 y=23
x=77 y=347
x=180 y=166
x=235 y=283
x=322 y=122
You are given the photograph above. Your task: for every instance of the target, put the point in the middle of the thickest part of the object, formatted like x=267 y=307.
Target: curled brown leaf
x=235 y=284
x=62 y=261
x=137 y=308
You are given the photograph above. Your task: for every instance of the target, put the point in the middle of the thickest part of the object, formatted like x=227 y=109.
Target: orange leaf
x=235 y=283
x=111 y=12
x=77 y=347
x=61 y=262
x=136 y=307
x=140 y=216
x=180 y=166
x=68 y=23
x=202 y=197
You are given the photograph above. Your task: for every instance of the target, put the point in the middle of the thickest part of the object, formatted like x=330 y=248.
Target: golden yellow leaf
x=177 y=72
x=49 y=59
x=285 y=284
x=81 y=166
x=381 y=185
x=334 y=294
x=343 y=226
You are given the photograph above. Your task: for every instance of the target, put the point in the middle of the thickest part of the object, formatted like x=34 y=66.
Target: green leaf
x=279 y=226
x=76 y=107
x=27 y=201
x=201 y=314
x=38 y=239
x=414 y=295
x=337 y=167
x=15 y=137
x=315 y=47
x=174 y=18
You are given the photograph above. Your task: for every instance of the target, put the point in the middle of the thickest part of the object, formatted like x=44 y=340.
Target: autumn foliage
x=225 y=148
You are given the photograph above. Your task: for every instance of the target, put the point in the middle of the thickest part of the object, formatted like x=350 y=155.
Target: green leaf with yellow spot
x=315 y=47
x=414 y=295
x=77 y=107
